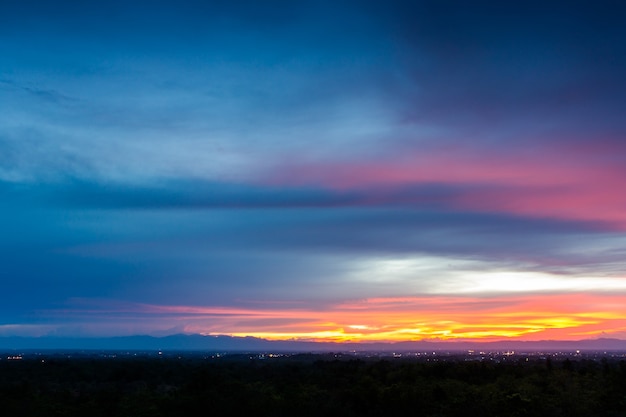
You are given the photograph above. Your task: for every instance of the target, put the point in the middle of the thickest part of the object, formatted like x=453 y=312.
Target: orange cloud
x=564 y=316
x=525 y=317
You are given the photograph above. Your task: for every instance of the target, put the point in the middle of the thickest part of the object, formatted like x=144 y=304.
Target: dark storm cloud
x=190 y=195
x=418 y=220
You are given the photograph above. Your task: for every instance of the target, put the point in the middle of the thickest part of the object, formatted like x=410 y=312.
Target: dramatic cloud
x=353 y=170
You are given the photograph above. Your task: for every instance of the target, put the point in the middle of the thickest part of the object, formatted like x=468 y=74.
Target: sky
x=313 y=170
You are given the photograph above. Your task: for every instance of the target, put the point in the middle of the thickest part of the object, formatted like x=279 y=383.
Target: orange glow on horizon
x=529 y=317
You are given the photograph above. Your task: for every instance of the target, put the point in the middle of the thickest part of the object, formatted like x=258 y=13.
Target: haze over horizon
x=313 y=170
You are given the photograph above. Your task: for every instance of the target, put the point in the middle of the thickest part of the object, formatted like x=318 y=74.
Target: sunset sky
x=315 y=170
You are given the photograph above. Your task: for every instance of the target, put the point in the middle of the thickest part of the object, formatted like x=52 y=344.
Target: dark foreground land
x=90 y=385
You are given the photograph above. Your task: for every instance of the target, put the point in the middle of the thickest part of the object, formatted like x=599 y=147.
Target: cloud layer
x=248 y=168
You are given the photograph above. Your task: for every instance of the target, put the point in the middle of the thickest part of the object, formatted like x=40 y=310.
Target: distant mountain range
x=252 y=344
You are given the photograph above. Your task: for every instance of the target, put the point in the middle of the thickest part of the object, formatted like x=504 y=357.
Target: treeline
x=308 y=386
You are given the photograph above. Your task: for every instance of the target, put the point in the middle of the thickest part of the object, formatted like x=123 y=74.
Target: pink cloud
x=574 y=181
